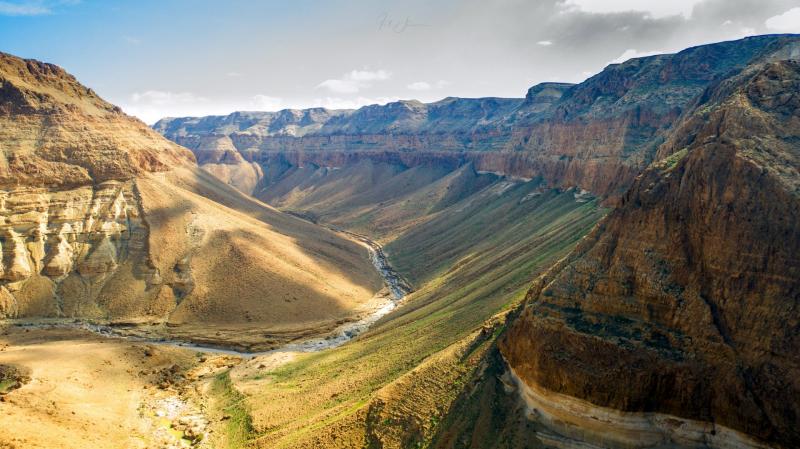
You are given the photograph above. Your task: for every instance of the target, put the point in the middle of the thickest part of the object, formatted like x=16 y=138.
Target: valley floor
x=390 y=387
x=83 y=390
x=84 y=385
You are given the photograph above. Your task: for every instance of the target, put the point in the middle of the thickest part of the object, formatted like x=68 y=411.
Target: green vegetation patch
x=672 y=160
x=473 y=260
x=231 y=405
x=7 y=385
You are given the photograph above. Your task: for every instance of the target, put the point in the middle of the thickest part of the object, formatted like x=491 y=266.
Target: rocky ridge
x=685 y=299
x=70 y=214
x=597 y=135
x=101 y=218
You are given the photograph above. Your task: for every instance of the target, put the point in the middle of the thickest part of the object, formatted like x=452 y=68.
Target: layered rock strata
x=685 y=299
x=102 y=218
x=597 y=135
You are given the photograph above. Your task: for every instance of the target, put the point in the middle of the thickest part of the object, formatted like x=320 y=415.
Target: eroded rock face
x=597 y=135
x=61 y=247
x=103 y=218
x=57 y=133
x=685 y=300
x=70 y=223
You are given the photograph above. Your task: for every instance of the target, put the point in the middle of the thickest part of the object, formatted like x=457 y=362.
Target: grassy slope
x=471 y=260
x=375 y=199
x=229 y=405
x=289 y=275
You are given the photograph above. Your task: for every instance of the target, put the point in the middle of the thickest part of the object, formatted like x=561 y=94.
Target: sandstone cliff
x=684 y=301
x=56 y=132
x=597 y=135
x=71 y=214
x=100 y=217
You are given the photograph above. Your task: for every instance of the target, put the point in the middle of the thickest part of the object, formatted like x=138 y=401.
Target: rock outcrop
x=57 y=133
x=62 y=247
x=684 y=301
x=70 y=215
x=597 y=135
x=102 y=218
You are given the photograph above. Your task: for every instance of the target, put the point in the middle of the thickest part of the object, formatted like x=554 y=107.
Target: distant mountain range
x=597 y=135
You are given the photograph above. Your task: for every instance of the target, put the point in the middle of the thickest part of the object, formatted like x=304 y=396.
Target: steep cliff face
x=100 y=217
x=64 y=250
x=70 y=214
x=597 y=135
x=684 y=301
x=56 y=132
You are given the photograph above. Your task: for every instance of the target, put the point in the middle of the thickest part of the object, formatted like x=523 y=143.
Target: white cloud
x=545 y=43
x=267 y=103
x=132 y=40
x=160 y=97
x=233 y=75
x=25 y=8
x=788 y=22
x=366 y=75
x=354 y=81
x=747 y=31
x=420 y=85
x=424 y=85
x=633 y=53
x=340 y=86
x=655 y=8
x=33 y=7
x=152 y=105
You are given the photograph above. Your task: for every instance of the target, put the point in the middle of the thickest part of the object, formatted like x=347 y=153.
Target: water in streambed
x=397 y=286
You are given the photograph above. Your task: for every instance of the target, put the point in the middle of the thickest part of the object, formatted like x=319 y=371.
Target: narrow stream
x=395 y=283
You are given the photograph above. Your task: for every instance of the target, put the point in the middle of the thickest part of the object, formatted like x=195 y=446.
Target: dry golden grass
x=250 y=265
x=392 y=384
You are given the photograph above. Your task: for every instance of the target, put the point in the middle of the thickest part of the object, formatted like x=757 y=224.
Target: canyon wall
x=685 y=299
x=677 y=317
x=596 y=135
x=71 y=225
x=102 y=218
x=64 y=253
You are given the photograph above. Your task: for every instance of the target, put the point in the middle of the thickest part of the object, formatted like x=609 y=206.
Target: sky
x=158 y=58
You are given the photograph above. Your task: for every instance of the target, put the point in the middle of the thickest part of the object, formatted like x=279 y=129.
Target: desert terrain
x=610 y=263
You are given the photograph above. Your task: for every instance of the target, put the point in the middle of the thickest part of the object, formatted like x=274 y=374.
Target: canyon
x=608 y=264
x=597 y=135
x=653 y=313
x=103 y=219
